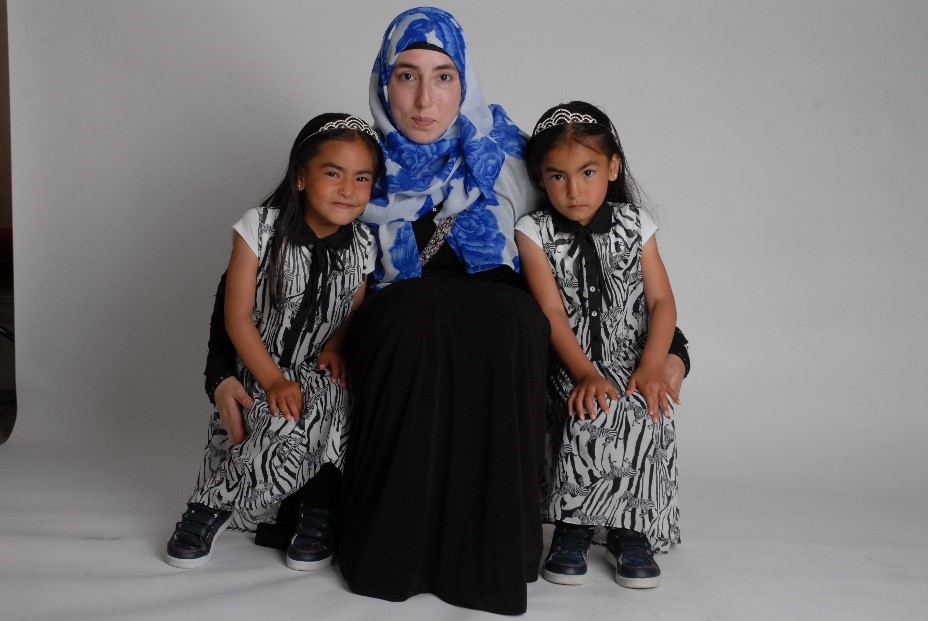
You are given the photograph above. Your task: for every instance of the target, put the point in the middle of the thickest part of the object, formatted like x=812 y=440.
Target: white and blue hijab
x=463 y=170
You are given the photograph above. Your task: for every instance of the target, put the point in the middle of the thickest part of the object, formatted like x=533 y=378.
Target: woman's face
x=424 y=92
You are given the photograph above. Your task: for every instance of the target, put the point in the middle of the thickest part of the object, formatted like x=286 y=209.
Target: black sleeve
x=220 y=356
x=678 y=348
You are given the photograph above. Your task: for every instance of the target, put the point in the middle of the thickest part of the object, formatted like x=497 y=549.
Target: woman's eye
x=364 y=180
x=556 y=177
x=589 y=173
x=446 y=77
x=405 y=76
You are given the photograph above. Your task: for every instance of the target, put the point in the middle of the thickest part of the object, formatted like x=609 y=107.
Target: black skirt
x=441 y=489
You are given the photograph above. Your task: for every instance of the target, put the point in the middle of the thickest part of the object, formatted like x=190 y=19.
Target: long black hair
x=289 y=201
x=599 y=136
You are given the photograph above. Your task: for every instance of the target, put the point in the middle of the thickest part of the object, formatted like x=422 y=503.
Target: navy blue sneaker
x=631 y=555
x=191 y=545
x=313 y=544
x=566 y=562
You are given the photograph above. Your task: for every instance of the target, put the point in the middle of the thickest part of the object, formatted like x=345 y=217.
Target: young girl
x=591 y=261
x=297 y=271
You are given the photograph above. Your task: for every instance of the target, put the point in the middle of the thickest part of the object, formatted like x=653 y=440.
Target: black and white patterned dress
x=278 y=456
x=619 y=470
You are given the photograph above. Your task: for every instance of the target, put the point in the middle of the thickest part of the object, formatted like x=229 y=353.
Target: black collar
x=601 y=222
x=304 y=236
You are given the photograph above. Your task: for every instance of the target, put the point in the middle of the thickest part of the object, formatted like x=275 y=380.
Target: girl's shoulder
x=625 y=208
x=629 y=214
x=362 y=233
x=634 y=219
x=256 y=226
x=534 y=218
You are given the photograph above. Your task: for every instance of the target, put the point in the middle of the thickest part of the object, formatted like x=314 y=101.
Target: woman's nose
x=423 y=95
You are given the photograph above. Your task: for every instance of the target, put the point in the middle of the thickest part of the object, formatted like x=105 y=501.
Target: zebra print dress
x=619 y=470
x=278 y=456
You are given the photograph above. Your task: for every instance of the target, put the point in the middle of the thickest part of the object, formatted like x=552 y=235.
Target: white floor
x=81 y=537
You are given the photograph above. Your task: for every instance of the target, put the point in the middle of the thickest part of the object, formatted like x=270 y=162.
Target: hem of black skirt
x=502 y=605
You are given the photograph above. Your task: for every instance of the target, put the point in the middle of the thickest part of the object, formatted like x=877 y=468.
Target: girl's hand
x=231 y=398
x=285 y=398
x=593 y=387
x=653 y=385
x=333 y=362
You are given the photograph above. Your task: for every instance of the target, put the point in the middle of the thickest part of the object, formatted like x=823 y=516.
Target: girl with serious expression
x=576 y=179
x=424 y=92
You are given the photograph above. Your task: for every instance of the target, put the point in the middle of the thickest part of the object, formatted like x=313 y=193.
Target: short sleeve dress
x=618 y=470
x=278 y=457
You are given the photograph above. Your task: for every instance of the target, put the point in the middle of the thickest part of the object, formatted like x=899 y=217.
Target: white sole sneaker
x=308 y=565
x=565 y=579
x=632 y=583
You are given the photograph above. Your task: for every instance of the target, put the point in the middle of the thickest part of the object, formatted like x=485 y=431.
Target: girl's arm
x=283 y=396
x=331 y=357
x=590 y=385
x=649 y=378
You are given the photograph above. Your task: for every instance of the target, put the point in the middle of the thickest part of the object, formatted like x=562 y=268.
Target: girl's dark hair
x=289 y=201
x=599 y=136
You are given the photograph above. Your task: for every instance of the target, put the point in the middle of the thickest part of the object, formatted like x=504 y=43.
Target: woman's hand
x=231 y=398
x=333 y=362
x=655 y=387
x=589 y=389
x=285 y=398
x=674 y=370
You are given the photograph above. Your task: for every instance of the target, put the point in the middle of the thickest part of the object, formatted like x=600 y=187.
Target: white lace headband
x=349 y=122
x=562 y=116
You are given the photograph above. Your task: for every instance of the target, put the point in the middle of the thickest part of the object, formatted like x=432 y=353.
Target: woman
x=441 y=490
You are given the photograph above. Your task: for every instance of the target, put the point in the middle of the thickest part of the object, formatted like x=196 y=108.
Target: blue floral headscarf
x=474 y=168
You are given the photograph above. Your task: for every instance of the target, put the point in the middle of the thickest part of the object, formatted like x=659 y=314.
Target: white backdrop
x=785 y=146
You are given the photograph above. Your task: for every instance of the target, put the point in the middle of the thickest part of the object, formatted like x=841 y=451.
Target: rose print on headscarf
x=476 y=233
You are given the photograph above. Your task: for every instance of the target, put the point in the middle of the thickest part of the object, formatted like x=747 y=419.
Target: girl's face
x=576 y=179
x=336 y=184
x=424 y=92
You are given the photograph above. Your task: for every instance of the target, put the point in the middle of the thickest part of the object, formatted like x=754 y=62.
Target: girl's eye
x=364 y=180
x=556 y=177
x=589 y=173
x=331 y=173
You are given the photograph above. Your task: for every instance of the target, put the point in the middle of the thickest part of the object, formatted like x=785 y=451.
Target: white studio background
x=784 y=146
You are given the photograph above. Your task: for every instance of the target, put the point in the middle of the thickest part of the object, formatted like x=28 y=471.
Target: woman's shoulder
x=514 y=183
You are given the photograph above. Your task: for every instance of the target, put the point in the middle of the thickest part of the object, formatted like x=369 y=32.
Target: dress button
x=592 y=288
x=595 y=313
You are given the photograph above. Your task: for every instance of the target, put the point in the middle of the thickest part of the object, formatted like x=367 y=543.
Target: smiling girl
x=297 y=273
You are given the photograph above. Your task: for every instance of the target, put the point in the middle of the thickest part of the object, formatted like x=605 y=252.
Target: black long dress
x=441 y=489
